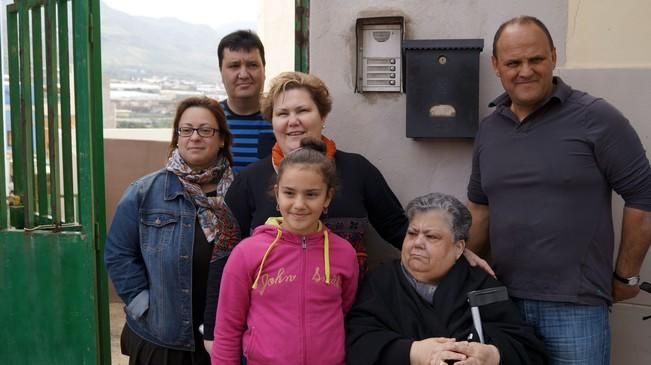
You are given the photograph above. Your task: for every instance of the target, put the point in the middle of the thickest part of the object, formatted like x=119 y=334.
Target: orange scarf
x=277 y=153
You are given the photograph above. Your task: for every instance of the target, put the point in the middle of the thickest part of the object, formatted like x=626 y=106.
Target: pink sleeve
x=232 y=311
x=349 y=289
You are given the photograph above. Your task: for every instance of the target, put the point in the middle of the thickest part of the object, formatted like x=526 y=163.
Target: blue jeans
x=573 y=334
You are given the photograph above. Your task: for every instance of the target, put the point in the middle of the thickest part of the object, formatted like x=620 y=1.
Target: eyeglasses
x=202 y=131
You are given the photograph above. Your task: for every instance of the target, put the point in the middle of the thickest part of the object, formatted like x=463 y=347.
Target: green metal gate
x=53 y=288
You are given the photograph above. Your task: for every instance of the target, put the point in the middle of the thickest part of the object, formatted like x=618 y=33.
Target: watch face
x=633 y=280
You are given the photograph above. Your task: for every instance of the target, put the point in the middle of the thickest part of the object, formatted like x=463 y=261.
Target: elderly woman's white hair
x=460 y=217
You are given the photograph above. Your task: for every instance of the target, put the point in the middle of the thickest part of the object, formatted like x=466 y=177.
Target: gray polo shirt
x=547 y=182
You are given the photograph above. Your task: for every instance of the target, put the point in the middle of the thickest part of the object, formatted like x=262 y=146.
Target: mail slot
x=442 y=86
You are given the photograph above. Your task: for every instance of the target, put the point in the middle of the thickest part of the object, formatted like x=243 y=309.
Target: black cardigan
x=389 y=315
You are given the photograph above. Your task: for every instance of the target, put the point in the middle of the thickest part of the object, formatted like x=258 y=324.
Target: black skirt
x=143 y=352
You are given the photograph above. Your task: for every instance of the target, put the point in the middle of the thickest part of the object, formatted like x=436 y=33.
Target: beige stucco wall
x=276 y=29
x=608 y=33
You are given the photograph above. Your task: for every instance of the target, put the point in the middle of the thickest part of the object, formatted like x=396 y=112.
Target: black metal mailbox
x=442 y=86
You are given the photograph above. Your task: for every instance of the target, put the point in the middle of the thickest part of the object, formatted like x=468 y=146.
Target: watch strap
x=632 y=281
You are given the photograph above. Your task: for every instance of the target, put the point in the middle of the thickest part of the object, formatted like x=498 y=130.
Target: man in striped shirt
x=241 y=64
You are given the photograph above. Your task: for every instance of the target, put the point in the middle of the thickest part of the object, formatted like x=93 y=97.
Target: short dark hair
x=216 y=110
x=520 y=20
x=311 y=153
x=240 y=39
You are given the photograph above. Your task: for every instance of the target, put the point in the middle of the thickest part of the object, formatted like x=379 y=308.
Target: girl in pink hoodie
x=286 y=289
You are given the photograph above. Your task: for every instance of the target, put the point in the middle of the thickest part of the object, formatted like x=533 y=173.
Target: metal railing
x=44 y=160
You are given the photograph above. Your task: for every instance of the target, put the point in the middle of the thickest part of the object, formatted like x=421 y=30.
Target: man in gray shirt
x=544 y=165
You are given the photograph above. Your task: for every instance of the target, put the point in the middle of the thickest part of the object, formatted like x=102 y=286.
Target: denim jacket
x=148 y=256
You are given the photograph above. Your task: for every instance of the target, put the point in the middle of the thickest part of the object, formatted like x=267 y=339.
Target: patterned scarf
x=277 y=153
x=214 y=216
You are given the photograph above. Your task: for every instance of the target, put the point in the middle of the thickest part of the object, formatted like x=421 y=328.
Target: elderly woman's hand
x=446 y=357
x=475 y=260
x=476 y=353
x=422 y=352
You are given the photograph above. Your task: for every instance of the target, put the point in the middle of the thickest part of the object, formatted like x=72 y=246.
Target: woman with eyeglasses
x=166 y=228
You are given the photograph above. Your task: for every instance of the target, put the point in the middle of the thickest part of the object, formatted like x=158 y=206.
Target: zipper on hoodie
x=303 y=298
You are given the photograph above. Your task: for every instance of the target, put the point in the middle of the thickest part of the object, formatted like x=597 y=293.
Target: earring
x=277 y=207
x=325 y=210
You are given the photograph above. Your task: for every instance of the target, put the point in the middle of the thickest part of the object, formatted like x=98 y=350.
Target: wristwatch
x=632 y=281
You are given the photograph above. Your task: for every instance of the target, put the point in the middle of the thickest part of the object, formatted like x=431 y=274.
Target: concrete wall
x=125 y=161
x=276 y=30
x=608 y=33
x=601 y=49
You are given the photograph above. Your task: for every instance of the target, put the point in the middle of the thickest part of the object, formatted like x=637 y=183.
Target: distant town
x=145 y=78
x=150 y=102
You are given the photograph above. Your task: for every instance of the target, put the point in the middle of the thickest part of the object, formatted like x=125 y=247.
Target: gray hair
x=460 y=217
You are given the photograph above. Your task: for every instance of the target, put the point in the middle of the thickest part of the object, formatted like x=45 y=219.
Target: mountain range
x=137 y=46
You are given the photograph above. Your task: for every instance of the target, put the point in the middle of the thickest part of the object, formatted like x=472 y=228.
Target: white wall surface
x=275 y=26
x=609 y=33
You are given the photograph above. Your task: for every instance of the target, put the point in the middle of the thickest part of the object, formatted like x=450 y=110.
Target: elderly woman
x=165 y=229
x=415 y=310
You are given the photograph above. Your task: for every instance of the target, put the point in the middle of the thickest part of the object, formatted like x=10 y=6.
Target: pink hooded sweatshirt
x=283 y=298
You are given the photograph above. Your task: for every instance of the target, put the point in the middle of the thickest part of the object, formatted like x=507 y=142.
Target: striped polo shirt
x=252 y=137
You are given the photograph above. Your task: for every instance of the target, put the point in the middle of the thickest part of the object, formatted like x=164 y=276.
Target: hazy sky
x=210 y=12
